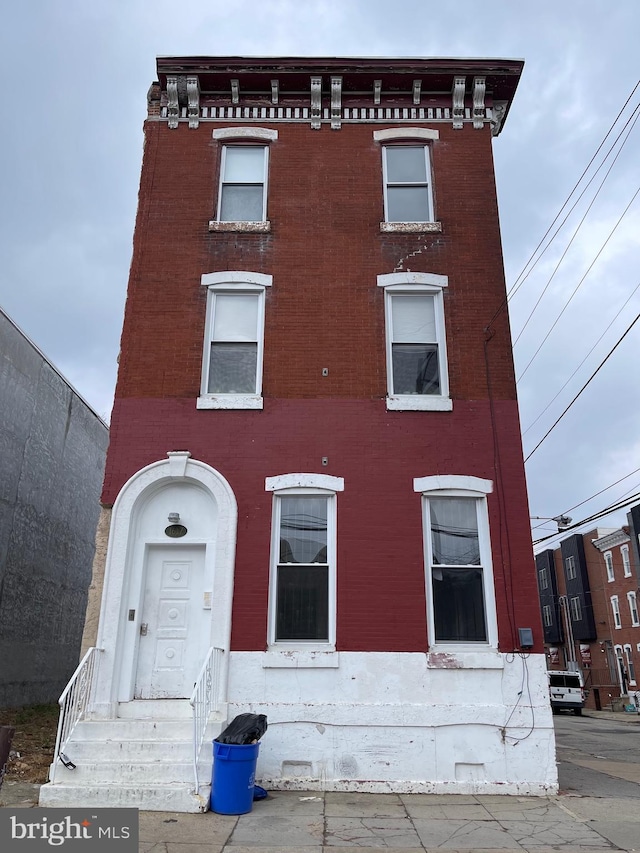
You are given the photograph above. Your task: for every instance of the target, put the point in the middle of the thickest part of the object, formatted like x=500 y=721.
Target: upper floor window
x=460 y=593
x=407 y=183
x=615 y=609
x=633 y=609
x=608 y=561
x=406 y=178
x=570 y=568
x=547 y=616
x=543 y=579
x=417 y=374
x=233 y=342
x=576 y=609
x=243 y=183
x=626 y=562
x=302 y=598
x=242 y=191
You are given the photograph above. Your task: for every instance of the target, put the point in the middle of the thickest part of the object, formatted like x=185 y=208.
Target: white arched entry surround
x=137 y=547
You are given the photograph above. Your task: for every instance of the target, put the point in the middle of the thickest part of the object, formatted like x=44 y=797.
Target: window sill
x=410 y=227
x=230 y=401
x=451 y=657
x=419 y=403
x=241 y=227
x=288 y=658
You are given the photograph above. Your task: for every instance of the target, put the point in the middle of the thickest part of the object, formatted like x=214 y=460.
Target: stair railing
x=205 y=699
x=73 y=706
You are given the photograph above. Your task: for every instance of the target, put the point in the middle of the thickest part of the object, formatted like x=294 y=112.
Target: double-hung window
x=407 y=178
x=407 y=183
x=417 y=373
x=615 y=609
x=233 y=344
x=576 y=609
x=608 y=561
x=570 y=568
x=547 y=615
x=303 y=560
x=633 y=609
x=459 y=575
x=243 y=182
x=543 y=579
x=626 y=562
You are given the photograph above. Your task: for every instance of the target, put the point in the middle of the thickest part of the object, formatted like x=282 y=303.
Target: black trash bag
x=244 y=729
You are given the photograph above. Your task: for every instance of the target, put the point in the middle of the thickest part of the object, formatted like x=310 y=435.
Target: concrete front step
x=133 y=762
x=154 y=798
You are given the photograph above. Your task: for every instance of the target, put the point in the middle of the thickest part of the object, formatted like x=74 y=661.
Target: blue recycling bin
x=234 y=777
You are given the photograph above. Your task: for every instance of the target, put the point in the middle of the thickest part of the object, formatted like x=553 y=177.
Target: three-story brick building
x=315 y=491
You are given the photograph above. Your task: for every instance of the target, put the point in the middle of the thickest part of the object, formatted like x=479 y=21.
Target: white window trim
x=633 y=606
x=570 y=567
x=626 y=561
x=262 y=136
x=412 y=283
x=608 y=562
x=615 y=609
x=628 y=654
x=575 y=607
x=452 y=485
x=423 y=135
x=547 y=616
x=233 y=281
x=543 y=576
x=301 y=654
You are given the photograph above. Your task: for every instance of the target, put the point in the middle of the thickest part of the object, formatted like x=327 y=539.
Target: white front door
x=170 y=651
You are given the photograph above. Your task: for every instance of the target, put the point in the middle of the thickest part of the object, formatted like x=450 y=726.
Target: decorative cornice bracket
x=417 y=86
x=235 y=91
x=274 y=91
x=377 y=91
x=193 y=101
x=498 y=112
x=173 y=108
x=336 y=103
x=479 y=88
x=457 y=92
x=316 y=102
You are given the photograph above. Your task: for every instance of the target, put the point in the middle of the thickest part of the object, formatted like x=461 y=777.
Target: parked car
x=566 y=691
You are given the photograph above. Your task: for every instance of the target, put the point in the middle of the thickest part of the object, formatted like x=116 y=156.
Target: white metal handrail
x=73 y=703
x=204 y=700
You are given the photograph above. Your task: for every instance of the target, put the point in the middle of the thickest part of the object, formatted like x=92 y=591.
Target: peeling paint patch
x=443 y=660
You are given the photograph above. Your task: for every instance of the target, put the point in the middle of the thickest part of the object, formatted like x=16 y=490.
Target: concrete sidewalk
x=316 y=822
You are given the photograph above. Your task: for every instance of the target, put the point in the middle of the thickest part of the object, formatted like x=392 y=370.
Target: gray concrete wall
x=52 y=455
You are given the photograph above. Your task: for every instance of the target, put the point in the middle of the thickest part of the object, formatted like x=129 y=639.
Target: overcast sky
x=76 y=75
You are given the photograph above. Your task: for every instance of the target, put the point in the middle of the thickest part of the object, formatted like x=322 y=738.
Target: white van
x=566 y=690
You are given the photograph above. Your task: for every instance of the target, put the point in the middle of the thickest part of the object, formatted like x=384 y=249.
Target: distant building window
x=608 y=561
x=615 y=609
x=626 y=562
x=633 y=609
x=547 y=616
x=570 y=568
x=631 y=670
x=543 y=579
x=576 y=609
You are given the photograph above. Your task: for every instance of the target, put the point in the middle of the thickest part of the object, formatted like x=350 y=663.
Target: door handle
x=144 y=627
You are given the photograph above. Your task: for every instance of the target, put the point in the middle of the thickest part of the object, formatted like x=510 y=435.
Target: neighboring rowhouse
x=52 y=454
x=589 y=595
x=315 y=492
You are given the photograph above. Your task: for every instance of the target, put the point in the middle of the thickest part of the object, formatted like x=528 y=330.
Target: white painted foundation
x=400 y=722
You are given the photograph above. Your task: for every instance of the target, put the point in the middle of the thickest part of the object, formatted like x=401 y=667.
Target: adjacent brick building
x=316 y=397
x=589 y=595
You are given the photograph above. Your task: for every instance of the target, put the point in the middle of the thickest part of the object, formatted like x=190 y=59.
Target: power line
x=577 y=287
x=516 y=284
x=555 y=397
x=602 y=363
x=606 y=511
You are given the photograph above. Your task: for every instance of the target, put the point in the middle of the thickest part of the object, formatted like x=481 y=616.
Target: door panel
x=170 y=650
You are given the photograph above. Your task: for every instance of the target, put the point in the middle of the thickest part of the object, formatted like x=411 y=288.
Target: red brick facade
x=324 y=309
